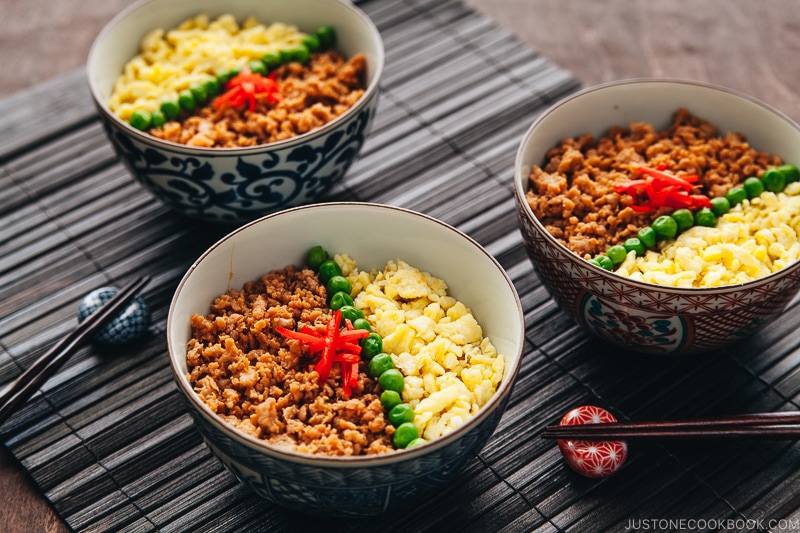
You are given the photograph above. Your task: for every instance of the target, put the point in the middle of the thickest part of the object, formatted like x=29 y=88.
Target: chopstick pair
x=766 y=426
x=44 y=367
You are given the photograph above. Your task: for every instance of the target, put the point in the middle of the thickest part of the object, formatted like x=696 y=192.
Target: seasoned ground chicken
x=265 y=385
x=311 y=96
x=573 y=194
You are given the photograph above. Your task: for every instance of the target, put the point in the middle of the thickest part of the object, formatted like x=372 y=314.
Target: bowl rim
x=500 y=395
x=371 y=91
x=520 y=189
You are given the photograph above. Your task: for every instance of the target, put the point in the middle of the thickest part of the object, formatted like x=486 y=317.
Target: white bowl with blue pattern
x=235 y=185
x=366 y=485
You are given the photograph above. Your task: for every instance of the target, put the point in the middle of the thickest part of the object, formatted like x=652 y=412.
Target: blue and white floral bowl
x=366 y=485
x=235 y=185
x=638 y=316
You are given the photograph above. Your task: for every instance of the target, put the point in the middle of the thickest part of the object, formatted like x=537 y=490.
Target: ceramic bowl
x=366 y=485
x=238 y=184
x=639 y=316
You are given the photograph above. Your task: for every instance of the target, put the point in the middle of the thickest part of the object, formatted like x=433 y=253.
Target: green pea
x=316 y=256
x=351 y=313
x=362 y=323
x=404 y=434
x=617 y=254
x=300 y=54
x=753 y=187
x=634 y=244
x=647 y=236
x=271 y=60
x=604 y=262
x=594 y=261
x=683 y=218
x=391 y=379
x=720 y=205
x=400 y=414
x=665 y=227
x=419 y=441
x=285 y=56
x=228 y=75
x=311 y=42
x=773 y=180
x=371 y=346
x=329 y=269
x=140 y=119
x=338 y=284
x=340 y=299
x=736 y=195
x=199 y=92
x=186 y=100
x=326 y=36
x=257 y=67
x=380 y=364
x=157 y=119
x=171 y=109
x=212 y=87
x=706 y=217
x=791 y=172
x=390 y=398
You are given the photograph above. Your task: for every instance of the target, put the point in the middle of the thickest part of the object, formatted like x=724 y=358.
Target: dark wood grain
x=742 y=44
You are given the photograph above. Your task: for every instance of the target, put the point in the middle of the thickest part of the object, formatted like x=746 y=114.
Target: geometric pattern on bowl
x=635 y=315
x=346 y=491
x=224 y=187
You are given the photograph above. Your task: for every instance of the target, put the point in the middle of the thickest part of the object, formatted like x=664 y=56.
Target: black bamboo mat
x=108 y=442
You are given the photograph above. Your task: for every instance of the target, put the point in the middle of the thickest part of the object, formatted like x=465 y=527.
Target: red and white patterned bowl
x=640 y=316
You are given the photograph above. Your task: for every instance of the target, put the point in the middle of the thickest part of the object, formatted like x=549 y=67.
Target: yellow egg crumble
x=197 y=50
x=451 y=370
x=756 y=238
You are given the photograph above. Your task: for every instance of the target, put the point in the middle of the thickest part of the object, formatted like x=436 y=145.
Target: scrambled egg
x=451 y=370
x=197 y=50
x=754 y=239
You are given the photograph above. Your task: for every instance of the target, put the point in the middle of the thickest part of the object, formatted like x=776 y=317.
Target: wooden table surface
x=747 y=45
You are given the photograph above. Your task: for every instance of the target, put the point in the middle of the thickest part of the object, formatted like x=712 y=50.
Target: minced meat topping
x=265 y=385
x=573 y=194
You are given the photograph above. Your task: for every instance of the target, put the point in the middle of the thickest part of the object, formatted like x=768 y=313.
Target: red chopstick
x=775 y=426
x=29 y=381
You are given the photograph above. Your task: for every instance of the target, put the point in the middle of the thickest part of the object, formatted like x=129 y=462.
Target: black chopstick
x=44 y=367
x=776 y=426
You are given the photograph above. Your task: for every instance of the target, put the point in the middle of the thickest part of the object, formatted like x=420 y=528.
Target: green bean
x=198 y=92
x=311 y=42
x=326 y=36
x=362 y=323
x=419 y=441
x=351 y=313
x=271 y=60
x=316 y=256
